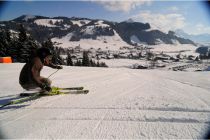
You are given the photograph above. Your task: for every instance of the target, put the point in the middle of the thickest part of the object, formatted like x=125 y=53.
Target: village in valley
x=143 y=57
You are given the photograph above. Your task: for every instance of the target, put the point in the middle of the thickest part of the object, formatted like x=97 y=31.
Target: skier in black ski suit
x=30 y=74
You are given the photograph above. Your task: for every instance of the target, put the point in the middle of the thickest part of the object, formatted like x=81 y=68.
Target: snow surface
x=168 y=48
x=79 y=22
x=123 y=63
x=122 y=103
x=104 y=42
x=134 y=39
x=101 y=23
x=46 y=22
x=174 y=49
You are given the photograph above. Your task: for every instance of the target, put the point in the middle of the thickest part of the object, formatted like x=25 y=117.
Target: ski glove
x=46 y=87
x=59 y=67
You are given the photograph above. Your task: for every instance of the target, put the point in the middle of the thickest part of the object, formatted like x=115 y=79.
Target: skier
x=30 y=74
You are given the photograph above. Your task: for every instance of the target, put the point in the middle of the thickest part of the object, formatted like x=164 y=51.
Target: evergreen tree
x=98 y=64
x=14 y=50
x=69 y=60
x=92 y=63
x=22 y=33
x=85 y=59
x=103 y=64
x=3 y=43
x=8 y=35
x=56 y=57
x=48 y=44
x=27 y=49
x=23 y=47
x=78 y=63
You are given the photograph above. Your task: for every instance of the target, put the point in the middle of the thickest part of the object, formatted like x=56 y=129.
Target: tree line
x=22 y=47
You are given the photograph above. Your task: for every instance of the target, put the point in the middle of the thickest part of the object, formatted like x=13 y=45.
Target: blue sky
x=191 y=16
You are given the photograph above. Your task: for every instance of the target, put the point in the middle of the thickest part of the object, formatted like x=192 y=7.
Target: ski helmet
x=43 y=52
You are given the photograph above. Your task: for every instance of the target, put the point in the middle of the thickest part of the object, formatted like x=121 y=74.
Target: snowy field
x=122 y=103
x=104 y=42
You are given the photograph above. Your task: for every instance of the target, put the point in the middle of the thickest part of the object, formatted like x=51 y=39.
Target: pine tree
x=8 y=35
x=98 y=64
x=14 y=50
x=85 y=59
x=69 y=60
x=48 y=44
x=22 y=33
x=27 y=49
x=78 y=63
x=103 y=64
x=3 y=44
x=24 y=46
x=5 y=41
x=92 y=63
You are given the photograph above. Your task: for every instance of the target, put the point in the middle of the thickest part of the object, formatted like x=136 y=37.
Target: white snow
x=159 y=41
x=134 y=39
x=123 y=63
x=174 y=49
x=122 y=104
x=89 y=30
x=67 y=26
x=104 y=42
x=101 y=23
x=46 y=22
x=80 y=22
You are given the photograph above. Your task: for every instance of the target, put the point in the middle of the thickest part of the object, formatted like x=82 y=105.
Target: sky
x=191 y=16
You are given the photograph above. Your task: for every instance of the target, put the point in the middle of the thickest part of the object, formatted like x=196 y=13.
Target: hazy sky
x=191 y=16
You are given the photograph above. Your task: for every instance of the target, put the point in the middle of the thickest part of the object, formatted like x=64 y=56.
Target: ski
x=35 y=95
x=70 y=88
x=55 y=93
x=55 y=90
x=21 y=100
x=74 y=92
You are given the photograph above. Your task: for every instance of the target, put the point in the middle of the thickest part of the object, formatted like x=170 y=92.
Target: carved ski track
x=189 y=84
x=148 y=120
x=172 y=91
x=109 y=114
x=169 y=109
x=26 y=112
x=99 y=121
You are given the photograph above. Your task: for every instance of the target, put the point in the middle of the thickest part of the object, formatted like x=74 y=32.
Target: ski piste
x=55 y=91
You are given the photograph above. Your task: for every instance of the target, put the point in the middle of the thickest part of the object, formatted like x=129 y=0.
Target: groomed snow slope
x=114 y=42
x=122 y=103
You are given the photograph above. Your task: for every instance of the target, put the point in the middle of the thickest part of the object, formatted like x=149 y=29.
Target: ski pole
x=53 y=73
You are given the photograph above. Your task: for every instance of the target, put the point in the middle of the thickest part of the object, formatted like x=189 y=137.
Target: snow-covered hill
x=101 y=42
x=42 y=28
x=47 y=22
x=122 y=103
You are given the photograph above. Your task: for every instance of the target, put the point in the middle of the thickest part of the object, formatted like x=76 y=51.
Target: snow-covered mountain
x=71 y=32
x=200 y=38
